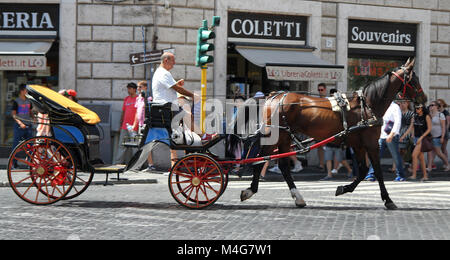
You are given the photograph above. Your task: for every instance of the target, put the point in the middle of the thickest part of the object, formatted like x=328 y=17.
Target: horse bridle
x=406 y=80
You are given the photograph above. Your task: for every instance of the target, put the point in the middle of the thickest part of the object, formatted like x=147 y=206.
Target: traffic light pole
x=203 y=97
x=202 y=59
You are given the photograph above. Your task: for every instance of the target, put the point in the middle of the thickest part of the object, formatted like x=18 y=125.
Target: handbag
x=427 y=144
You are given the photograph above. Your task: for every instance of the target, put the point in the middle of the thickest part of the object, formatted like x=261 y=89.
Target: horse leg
x=362 y=171
x=284 y=165
x=249 y=192
x=375 y=160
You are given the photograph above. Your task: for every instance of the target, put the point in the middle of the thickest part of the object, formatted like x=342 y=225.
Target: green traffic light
x=207 y=35
x=206 y=47
x=204 y=34
x=206 y=59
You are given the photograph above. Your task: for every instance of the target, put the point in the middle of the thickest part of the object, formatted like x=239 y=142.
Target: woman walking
x=438 y=130
x=421 y=124
x=443 y=109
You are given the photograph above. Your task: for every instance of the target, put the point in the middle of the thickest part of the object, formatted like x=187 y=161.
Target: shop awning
x=20 y=48
x=292 y=64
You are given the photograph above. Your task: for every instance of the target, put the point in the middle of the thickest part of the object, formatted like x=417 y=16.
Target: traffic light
x=205 y=34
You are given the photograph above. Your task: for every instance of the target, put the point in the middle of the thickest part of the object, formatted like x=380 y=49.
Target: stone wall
x=439 y=83
x=108 y=32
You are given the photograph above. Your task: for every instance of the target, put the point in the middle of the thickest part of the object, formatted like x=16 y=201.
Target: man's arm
x=178 y=87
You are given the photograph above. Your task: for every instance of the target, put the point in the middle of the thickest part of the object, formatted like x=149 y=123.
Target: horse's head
x=411 y=87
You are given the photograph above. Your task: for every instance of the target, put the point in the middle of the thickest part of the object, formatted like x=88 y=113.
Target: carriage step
x=117 y=168
x=110 y=169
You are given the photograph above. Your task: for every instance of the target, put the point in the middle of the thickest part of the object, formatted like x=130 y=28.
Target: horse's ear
x=410 y=63
x=407 y=62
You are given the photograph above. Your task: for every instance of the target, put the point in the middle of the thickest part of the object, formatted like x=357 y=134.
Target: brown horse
x=314 y=117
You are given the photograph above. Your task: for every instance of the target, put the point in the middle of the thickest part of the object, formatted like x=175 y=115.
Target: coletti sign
x=29 y=20
x=267 y=28
x=382 y=36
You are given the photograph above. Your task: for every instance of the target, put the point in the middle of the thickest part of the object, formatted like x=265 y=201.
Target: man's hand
x=390 y=138
x=180 y=83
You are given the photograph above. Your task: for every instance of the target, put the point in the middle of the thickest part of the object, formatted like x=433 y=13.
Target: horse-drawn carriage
x=62 y=166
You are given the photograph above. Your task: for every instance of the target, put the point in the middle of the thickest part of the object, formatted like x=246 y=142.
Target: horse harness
x=343 y=104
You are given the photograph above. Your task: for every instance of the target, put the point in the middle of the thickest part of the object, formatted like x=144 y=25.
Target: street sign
x=150 y=57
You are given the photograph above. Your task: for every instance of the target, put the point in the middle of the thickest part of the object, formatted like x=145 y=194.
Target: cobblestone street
x=147 y=211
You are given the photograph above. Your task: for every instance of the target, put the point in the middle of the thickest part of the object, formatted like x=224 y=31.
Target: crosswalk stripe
x=435 y=193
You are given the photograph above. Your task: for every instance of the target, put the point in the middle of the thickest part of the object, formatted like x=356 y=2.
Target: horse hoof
x=300 y=204
x=390 y=206
x=299 y=201
x=246 y=194
x=340 y=191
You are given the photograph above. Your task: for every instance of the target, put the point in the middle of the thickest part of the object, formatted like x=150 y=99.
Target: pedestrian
x=22 y=115
x=438 y=130
x=421 y=125
x=43 y=123
x=405 y=143
x=334 y=152
x=322 y=89
x=443 y=109
x=389 y=137
x=165 y=88
x=126 y=124
x=139 y=120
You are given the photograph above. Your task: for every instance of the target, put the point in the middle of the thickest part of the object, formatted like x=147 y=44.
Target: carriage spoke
x=181 y=182
x=211 y=188
x=181 y=174
x=204 y=192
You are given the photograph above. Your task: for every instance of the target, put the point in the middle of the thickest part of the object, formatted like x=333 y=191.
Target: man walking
x=126 y=123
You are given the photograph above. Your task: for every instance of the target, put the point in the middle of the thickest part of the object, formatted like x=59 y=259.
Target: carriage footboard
x=110 y=169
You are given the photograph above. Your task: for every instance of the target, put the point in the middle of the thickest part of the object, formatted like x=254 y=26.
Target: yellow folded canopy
x=87 y=115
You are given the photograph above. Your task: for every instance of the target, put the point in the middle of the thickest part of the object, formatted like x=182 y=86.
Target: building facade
x=260 y=46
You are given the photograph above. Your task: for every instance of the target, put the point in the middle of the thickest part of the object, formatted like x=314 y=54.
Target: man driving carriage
x=165 y=88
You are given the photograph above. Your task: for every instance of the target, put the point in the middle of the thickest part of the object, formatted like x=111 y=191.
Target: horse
x=314 y=117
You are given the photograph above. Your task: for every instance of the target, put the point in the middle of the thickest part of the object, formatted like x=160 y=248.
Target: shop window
x=362 y=71
x=9 y=86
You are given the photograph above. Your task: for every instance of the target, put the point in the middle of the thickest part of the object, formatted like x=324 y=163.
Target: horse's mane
x=376 y=89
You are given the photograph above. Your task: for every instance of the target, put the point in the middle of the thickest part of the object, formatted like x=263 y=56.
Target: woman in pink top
x=140 y=117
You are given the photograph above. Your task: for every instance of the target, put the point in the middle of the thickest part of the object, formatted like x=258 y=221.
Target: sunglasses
x=321 y=89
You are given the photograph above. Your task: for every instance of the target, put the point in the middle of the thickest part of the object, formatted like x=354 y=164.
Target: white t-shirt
x=392 y=121
x=161 y=86
x=436 y=130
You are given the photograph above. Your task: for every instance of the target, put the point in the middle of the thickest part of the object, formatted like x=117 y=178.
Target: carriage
x=62 y=166
x=45 y=169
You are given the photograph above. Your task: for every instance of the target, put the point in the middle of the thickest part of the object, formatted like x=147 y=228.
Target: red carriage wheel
x=44 y=172
x=82 y=182
x=196 y=181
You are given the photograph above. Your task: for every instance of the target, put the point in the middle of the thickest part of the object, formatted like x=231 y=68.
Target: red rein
x=406 y=84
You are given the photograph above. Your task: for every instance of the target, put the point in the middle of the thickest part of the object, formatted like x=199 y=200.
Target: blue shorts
x=437 y=142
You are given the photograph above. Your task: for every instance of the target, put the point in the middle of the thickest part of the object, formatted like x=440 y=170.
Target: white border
x=387 y=14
